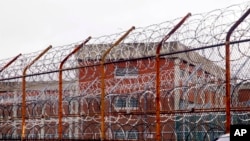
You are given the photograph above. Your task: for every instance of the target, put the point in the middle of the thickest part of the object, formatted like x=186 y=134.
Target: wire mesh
x=192 y=88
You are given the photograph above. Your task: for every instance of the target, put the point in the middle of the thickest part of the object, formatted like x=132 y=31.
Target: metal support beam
x=228 y=74
x=102 y=67
x=158 y=83
x=10 y=62
x=24 y=91
x=60 y=85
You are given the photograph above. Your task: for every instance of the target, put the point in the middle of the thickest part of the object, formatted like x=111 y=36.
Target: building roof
x=41 y=85
x=126 y=51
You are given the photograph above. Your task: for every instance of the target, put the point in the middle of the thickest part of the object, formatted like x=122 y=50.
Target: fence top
x=202 y=29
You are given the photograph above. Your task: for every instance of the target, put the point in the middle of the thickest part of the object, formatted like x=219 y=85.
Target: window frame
x=126 y=103
x=126 y=72
x=126 y=135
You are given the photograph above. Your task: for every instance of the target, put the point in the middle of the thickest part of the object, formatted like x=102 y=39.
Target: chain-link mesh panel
x=192 y=84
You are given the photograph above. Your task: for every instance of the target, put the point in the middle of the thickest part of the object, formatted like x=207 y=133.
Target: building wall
x=82 y=106
x=174 y=74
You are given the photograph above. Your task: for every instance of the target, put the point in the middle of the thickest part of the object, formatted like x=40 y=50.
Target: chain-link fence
x=117 y=87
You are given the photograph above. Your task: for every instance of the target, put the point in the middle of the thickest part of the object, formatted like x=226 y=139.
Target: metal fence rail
x=103 y=89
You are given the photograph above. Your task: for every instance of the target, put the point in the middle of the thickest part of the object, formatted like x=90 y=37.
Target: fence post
x=103 y=137
x=60 y=106
x=10 y=62
x=24 y=91
x=158 y=83
x=228 y=74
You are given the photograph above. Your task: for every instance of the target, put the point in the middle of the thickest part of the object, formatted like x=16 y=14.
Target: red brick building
x=188 y=82
x=130 y=88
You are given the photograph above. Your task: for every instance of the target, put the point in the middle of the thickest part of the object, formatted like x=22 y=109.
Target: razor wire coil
x=191 y=83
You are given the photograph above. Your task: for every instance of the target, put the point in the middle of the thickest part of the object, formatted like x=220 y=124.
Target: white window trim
x=125 y=135
x=127 y=106
x=127 y=75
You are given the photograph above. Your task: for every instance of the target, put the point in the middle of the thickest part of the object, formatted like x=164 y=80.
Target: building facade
x=191 y=89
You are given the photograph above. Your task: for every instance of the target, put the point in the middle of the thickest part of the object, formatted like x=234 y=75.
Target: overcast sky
x=31 y=25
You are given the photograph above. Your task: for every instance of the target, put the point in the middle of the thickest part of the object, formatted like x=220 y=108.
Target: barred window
x=126 y=102
x=133 y=102
x=132 y=135
x=119 y=135
x=127 y=135
x=130 y=72
x=120 y=102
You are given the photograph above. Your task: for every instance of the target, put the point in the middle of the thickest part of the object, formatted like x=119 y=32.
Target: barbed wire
x=192 y=87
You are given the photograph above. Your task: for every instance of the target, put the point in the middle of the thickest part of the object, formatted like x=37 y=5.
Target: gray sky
x=31 y=25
